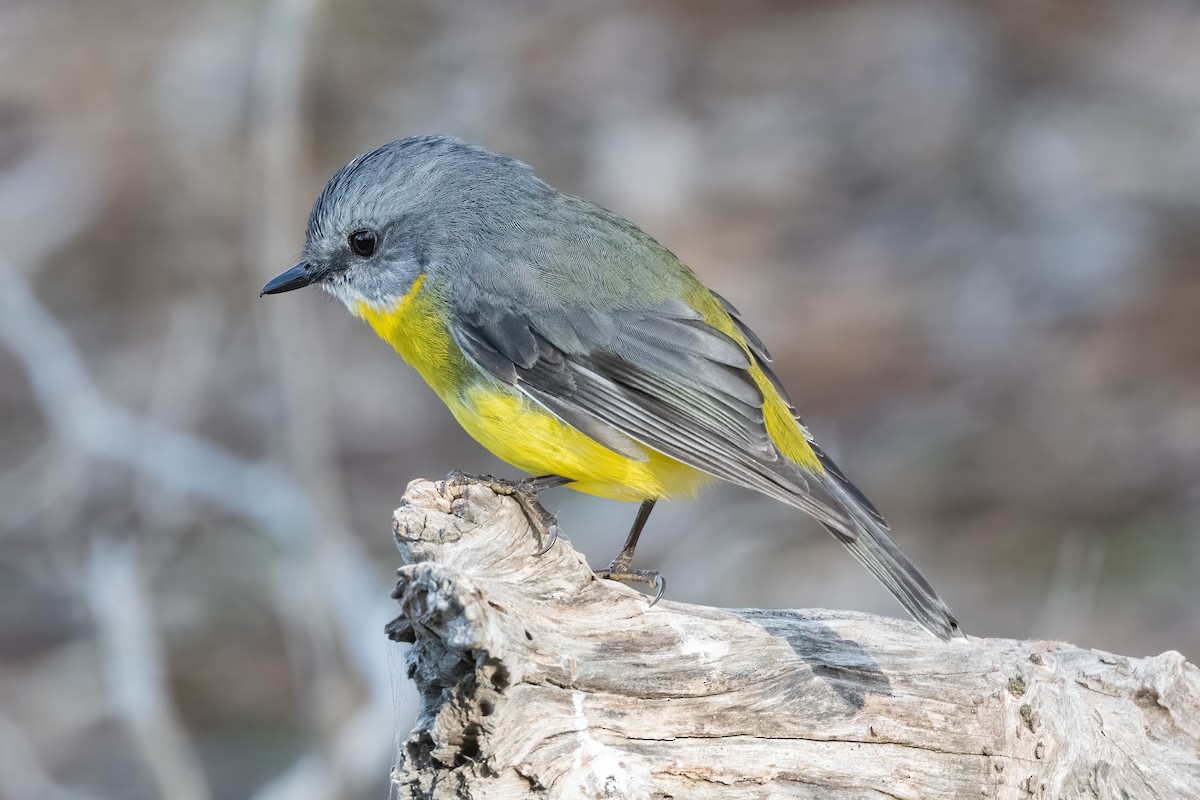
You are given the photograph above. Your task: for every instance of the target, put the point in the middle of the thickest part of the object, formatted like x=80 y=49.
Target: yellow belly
x=527 y=436
x=509 y=424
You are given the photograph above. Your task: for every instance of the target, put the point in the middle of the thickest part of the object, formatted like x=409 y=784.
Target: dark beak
x=297 y=277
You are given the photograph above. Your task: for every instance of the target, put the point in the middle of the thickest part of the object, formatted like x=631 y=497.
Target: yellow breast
x=415 y=326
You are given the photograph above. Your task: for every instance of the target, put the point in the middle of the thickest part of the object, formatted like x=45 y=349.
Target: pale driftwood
x=538 y=680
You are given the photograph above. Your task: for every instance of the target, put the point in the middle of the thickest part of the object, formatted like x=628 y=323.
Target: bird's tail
x=865 y=534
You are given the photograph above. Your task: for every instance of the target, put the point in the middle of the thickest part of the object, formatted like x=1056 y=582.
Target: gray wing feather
x=868 y=541
x=657 y=377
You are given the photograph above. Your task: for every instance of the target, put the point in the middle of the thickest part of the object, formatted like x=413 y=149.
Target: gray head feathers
x=426 y=201
x=421 y=174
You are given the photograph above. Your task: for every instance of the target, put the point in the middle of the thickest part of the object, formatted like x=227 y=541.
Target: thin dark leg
x=620 y=568
x=525 y=492
x=625 y=558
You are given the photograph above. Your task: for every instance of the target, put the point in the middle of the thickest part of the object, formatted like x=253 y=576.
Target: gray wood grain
x=539 y=680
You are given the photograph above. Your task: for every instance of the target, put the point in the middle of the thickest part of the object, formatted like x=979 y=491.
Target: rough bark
x=539 y=680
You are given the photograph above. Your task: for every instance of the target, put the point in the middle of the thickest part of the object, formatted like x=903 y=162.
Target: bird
x=575 y=347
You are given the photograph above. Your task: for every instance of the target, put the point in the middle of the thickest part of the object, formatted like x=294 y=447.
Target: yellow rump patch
x=783 y=428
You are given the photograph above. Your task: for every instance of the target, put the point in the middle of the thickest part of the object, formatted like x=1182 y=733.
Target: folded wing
x=663 y=377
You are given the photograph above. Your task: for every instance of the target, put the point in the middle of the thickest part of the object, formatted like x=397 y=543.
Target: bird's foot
x=619 y=570
x=525 y=492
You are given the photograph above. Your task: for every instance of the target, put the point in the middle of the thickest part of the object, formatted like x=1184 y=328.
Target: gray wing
x=659 y=376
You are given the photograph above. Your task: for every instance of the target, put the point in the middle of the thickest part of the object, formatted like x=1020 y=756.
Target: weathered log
x=539 y=680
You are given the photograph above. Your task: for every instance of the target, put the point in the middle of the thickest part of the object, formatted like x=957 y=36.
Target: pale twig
x=351 y=597
x=177 y=396
x=135 y=671
x=46 y=199
x=82 y=417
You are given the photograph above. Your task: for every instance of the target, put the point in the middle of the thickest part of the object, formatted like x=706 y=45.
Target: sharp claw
x=551 y=539
x=660 y=585
x=637 y=576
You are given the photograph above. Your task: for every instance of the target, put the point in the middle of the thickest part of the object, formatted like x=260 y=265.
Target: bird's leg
x=525 y=492
x=620 y=567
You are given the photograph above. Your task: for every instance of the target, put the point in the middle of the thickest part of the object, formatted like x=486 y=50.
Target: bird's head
x=393 y=214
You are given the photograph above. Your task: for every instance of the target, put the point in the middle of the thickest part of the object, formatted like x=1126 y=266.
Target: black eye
x=363 y=243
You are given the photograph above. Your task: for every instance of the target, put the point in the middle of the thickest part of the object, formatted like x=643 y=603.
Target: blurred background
x=967 y=231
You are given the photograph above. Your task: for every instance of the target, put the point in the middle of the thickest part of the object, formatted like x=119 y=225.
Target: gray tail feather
x=878 y=553
x=868 y=540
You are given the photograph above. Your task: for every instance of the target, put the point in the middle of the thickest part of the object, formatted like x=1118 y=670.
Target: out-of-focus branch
x=135 y=672
x=84 y=421
x=189 y=355
x=81 y=417
x=86 y=430
x=338 y=565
